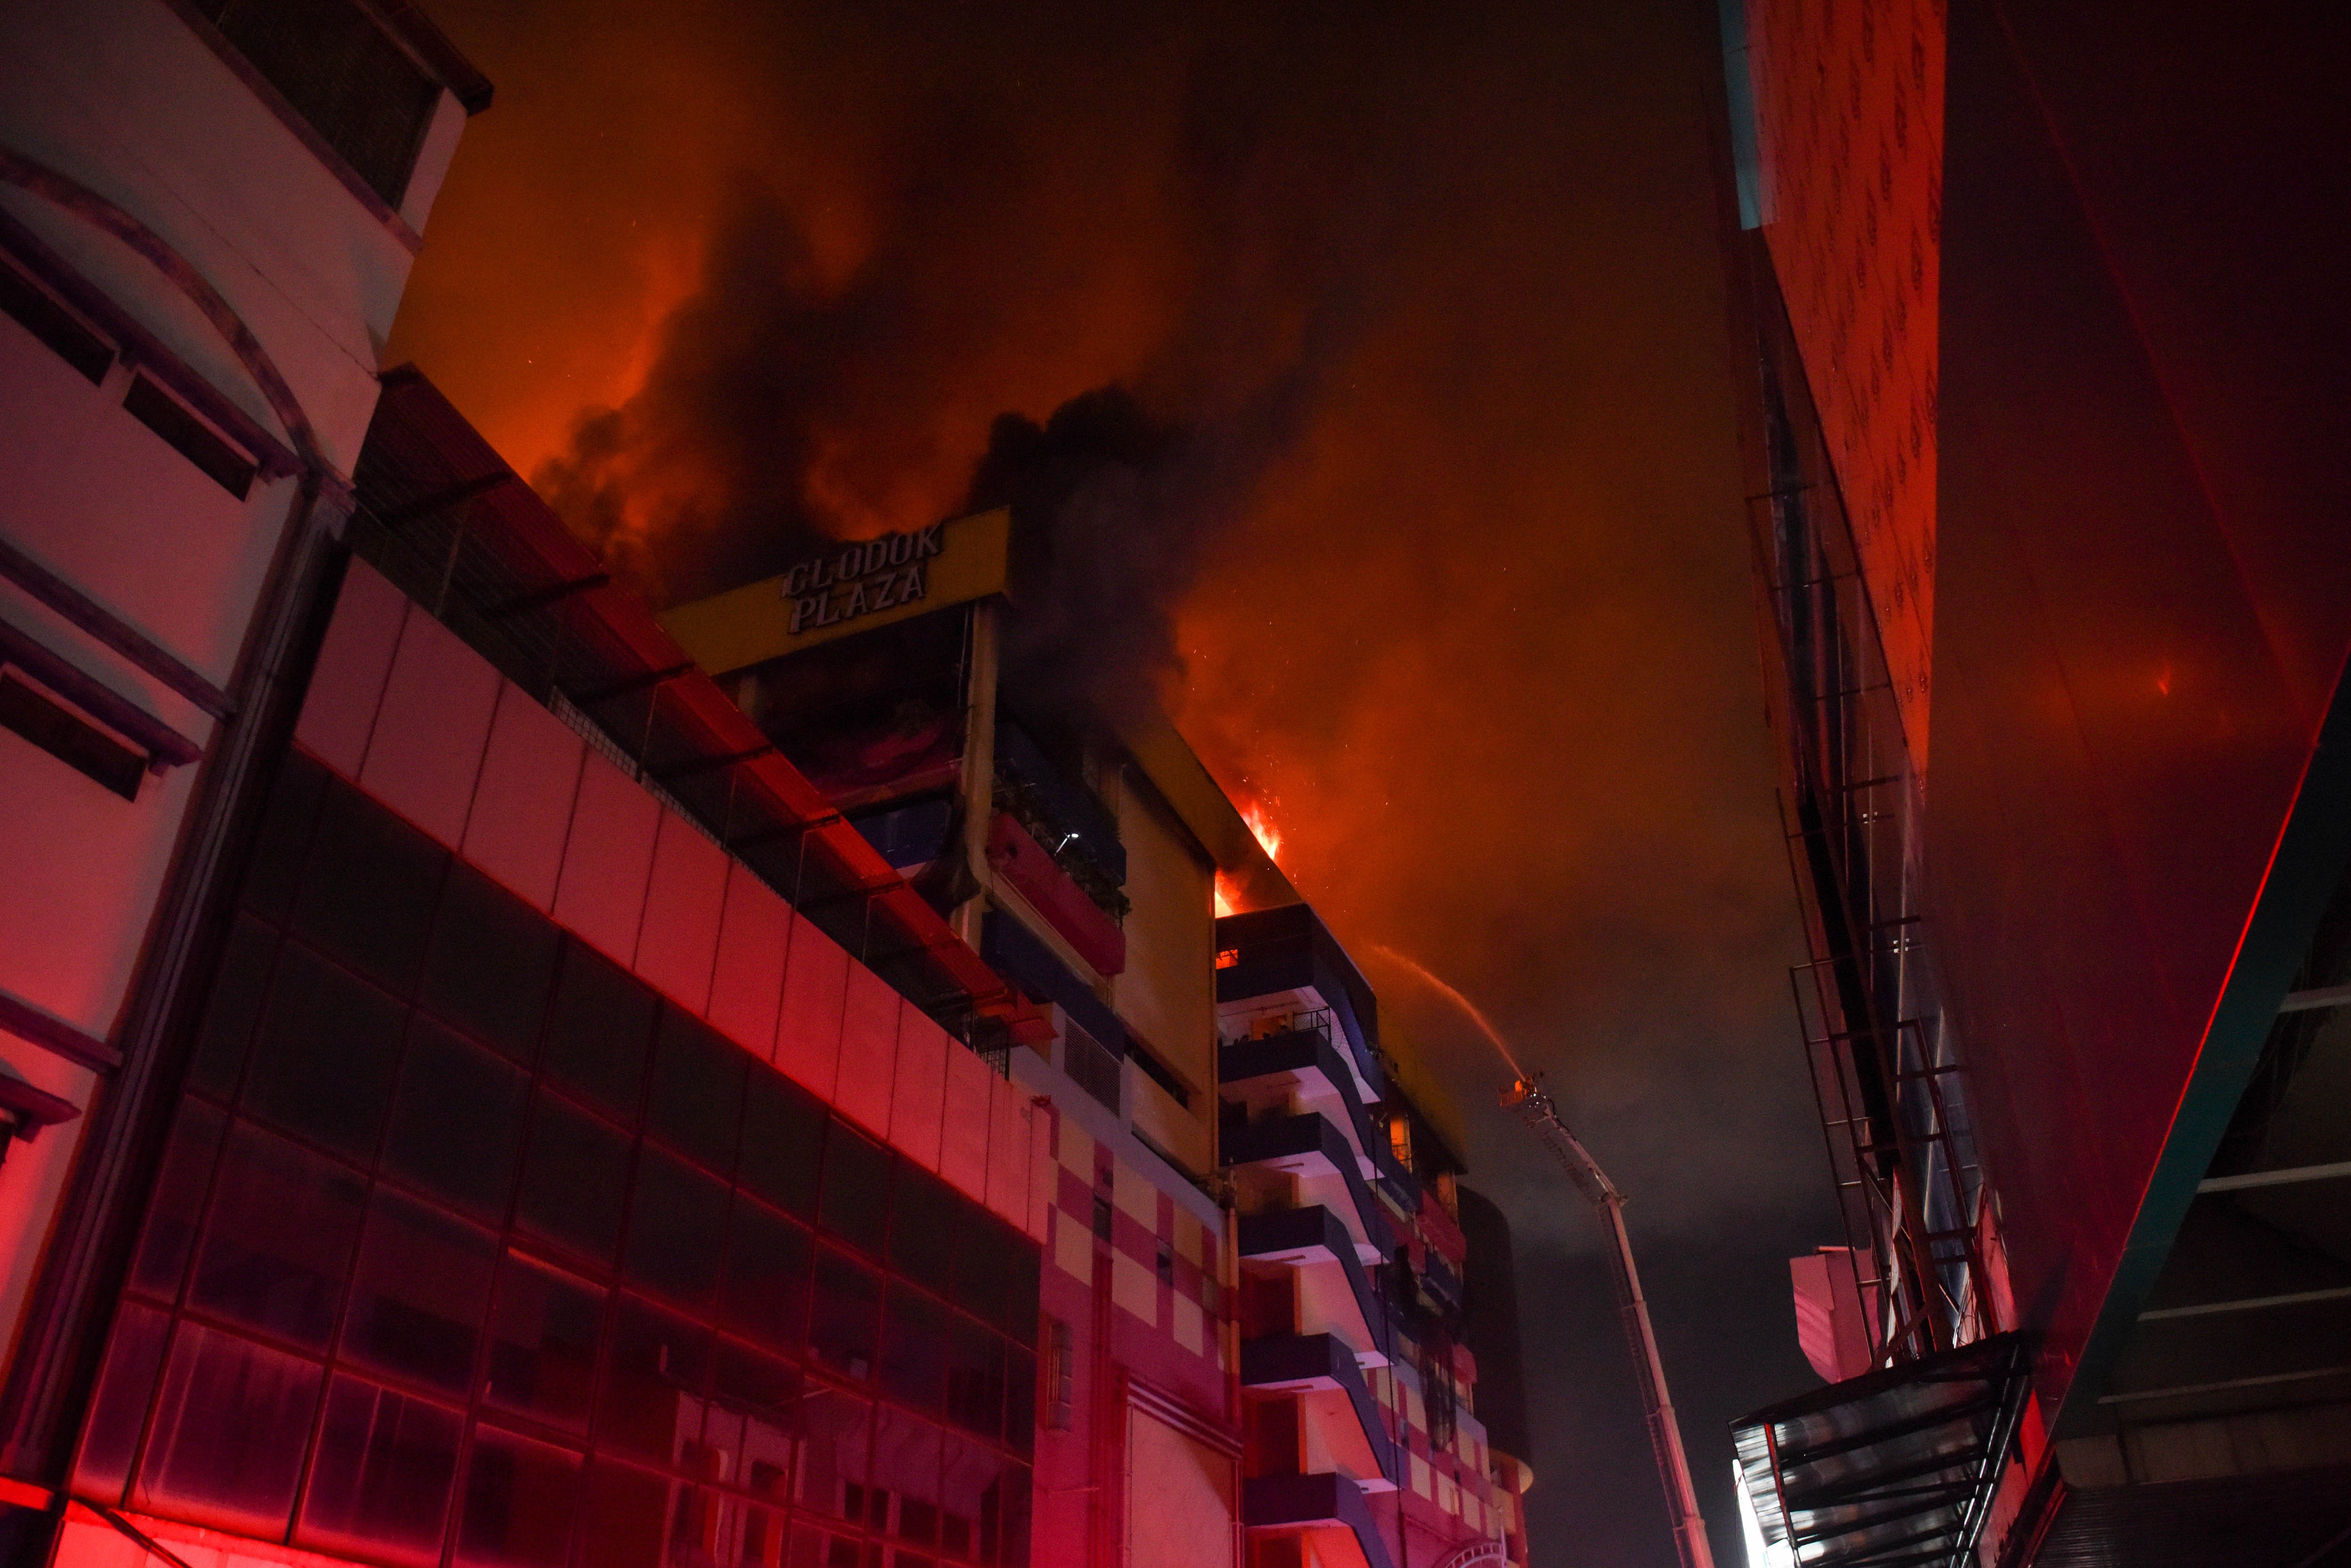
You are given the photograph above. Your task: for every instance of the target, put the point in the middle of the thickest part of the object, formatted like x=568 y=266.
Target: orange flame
x=1261 y=826
x=1268 y=838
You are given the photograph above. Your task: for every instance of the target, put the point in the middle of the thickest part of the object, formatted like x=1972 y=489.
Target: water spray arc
x=1526 y=1095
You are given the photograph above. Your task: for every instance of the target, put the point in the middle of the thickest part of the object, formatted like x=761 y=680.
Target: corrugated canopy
x=1892 y=1469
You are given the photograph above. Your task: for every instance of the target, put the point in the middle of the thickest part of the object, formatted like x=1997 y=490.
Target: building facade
x=2042 y=461
x=496 y=1078
x=207 y=213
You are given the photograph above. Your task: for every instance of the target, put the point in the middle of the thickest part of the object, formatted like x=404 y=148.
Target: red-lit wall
x=2143 y=592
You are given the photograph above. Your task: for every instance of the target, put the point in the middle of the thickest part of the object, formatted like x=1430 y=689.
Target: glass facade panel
x=543 y=1338
x=279 y=1242
x=380 y=1481
x=420 y=1293
x=491 y=962
x=369 y=887
x=520 y=1499
x=783 y=1141
x=457 y=1122
x=329 y=1046
x=695 y=1100
x=230 y=1429
x=599 y=1032
x=397 y=1199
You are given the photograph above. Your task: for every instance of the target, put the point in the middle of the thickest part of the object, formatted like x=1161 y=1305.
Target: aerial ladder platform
x=1527 y=1096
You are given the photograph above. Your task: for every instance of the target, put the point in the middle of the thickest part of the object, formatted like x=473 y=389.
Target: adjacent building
x=496 y=1079
x=2043 y=398
x=207 y=213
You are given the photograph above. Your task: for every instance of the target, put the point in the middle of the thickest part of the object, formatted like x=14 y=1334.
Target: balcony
x=1073 y=912
x=1314 y=1242
x=1337 y=1402
x=1303 y=1062
x=1285 y=959
x=1303 y=1502
x=1309 y=1147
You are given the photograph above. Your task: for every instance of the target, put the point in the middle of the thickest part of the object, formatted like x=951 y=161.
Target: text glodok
x=858 y=579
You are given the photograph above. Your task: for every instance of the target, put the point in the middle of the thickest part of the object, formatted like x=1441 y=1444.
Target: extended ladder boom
x=1665 y=1432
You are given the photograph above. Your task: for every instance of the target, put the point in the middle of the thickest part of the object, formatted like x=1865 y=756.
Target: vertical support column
x=979 y=781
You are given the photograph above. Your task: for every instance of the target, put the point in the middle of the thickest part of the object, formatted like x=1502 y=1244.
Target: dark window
x=543 y=1335
x=855 y=1205
x=458 y=1121
x=280 y=1240
x=597 y=1033
x=358 y=88
x=189 y=437
x=1005 y=1539
x=836 y=1449
x=783 y=1140
x=1159 y=1072
x=925 y=1215
x=914 y=1348
x=573 y=1179
x=230 y=1429
x=995 y=1274
x=656 y=1375
x=379 y=1485
x=52 y=324
x=490 y=963
x=329 y=1052
x=418 y=1298
x=768 y=1259
x=677 y=1222
x=272 y=876
x=975 y=1376
x=370 y=888
x=633 y=1516
x=519 y=1500
x=1102 y=1216
x=693 y=1102
x=844 y=1314
x=1020 y=1400
x=239 y=989
x=69 y=738
x=179 y=1202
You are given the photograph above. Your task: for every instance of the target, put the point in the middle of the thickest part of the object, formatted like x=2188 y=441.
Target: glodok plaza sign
x=852 y=587
x=878 y=574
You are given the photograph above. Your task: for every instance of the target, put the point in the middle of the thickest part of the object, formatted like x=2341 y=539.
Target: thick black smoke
x=794 y=398
x=1114 y=514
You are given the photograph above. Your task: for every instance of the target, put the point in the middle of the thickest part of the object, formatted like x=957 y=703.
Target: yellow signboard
x=853 y=587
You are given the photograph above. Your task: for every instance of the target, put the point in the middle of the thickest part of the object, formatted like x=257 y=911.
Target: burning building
x=2044 y=420
x=501 y=1079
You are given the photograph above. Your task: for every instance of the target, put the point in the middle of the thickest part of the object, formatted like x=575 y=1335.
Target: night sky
x=1448 y=531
